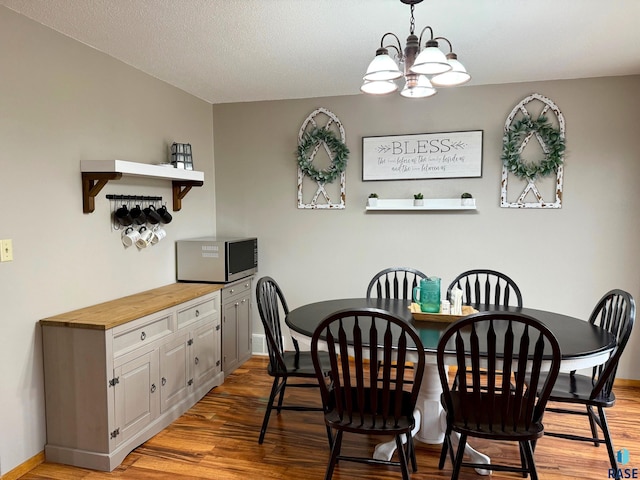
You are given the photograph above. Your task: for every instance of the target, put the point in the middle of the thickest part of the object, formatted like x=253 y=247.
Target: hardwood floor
x=218 y=439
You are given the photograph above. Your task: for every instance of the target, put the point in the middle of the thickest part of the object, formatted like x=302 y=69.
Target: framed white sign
x=419 y=156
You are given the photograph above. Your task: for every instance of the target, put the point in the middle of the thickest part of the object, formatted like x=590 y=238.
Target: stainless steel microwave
x=216 y=259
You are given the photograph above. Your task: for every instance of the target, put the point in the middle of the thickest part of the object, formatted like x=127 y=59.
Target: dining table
x=582 y=345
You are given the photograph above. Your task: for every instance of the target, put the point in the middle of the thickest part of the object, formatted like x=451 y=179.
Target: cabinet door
x=136 y=395
x=244 y=329
x=174 y=371
x=205 y=353
x=230 y=336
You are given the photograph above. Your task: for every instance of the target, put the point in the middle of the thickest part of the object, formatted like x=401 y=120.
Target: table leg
x=431 y=422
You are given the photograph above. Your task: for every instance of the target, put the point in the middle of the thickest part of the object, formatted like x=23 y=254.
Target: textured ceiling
x=248 y=50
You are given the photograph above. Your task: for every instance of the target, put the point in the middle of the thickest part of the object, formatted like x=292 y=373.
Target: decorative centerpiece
x=181 y=156
x=418 y=200
x=467 y=200
x=373 y=200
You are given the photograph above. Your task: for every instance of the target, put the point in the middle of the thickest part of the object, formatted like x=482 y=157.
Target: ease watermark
x=622 y=457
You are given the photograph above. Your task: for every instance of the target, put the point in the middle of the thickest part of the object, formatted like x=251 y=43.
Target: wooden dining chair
x=284 y=365
x=486 y=287
x=616 y=313
x=362 y=400
x=520 y=356
x=395 y=282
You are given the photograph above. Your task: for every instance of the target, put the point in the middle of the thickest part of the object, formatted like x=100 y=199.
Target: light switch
x=6 y=250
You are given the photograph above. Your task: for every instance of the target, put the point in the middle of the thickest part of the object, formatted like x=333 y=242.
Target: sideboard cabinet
x=119 y=372
x=236 y=324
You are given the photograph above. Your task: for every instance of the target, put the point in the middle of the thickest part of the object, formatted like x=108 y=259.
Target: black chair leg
x=592 y=423
x=267 y=413
x=607 y=439
x=412 y=452
x=445 y=446
x=462 y=443
x=335 y=451
x=531 y=465
x=523 y=459
x=330 y=437
x=402 y=456
x=281 y=398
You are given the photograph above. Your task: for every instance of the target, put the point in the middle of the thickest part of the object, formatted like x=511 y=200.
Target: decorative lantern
x=181 y=156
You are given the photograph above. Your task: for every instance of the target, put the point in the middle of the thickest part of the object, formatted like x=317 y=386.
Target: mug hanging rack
x=142 y=198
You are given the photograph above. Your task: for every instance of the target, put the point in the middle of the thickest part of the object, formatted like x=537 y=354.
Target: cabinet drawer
x=137 y=335
x=242 y=287
x=196 y=312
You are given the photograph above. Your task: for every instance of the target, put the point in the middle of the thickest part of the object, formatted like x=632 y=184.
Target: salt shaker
x=445 y=307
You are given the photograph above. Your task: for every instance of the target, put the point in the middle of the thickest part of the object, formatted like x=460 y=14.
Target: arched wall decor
x=320 y=197
x=523 y=111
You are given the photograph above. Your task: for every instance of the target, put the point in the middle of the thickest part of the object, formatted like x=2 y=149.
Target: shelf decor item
x=373 y=200
x=418 y=200
x=321 y=138
x=535 y=117
x=467 y=200
x=181 y=156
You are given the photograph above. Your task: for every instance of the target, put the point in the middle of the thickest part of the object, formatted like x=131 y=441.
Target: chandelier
x=418 y=65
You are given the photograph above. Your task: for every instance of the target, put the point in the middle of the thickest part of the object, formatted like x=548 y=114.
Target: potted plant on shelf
x=418 y=200
x=467 y=200
x=373 y=200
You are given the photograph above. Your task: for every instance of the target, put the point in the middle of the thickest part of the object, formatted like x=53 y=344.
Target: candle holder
x=181 y=156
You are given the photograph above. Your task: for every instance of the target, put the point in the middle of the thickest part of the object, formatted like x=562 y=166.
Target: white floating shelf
x=429 y=204
x=96 y=174
x=140 y=170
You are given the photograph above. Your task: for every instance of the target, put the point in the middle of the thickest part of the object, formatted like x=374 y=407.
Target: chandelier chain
x=412 y=24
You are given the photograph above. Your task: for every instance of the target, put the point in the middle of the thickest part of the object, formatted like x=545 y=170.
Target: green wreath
x=550 y=136
x=333 y=143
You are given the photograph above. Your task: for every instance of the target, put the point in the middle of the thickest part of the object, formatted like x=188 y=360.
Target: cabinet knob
x=197 y=360
x=236 y=304
x=143 y=336
x=244 y=300
x=231 y=291
x=153 y=388
x=197 y=313
x=164 y=381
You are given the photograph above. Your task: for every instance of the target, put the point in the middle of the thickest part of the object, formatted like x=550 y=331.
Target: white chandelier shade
x=456 y=76
x=379 y=87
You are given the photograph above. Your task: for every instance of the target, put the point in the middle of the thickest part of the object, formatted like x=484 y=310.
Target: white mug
x=158 y=234
x=145 y=238
x=130 y=236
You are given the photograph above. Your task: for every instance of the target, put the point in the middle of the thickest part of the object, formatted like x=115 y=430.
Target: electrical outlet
x=6 y=250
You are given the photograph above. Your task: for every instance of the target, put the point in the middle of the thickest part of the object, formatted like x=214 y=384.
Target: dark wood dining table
x=582 y=344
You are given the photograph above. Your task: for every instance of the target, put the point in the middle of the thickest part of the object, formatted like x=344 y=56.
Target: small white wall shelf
x=390 y=204
x=96 y=174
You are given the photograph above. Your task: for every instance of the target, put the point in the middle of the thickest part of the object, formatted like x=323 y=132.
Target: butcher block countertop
x=104 y=316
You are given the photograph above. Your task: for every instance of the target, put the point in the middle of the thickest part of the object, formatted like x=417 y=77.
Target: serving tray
x=439 y=317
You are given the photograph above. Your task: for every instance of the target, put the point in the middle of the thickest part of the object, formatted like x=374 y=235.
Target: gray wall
x=563 y=260
x=62 y=102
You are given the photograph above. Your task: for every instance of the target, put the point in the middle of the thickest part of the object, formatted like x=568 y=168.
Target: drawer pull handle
x=197 y=360
x=164 y=381
x=153 y=388
x=143 y=336
x=197 y=313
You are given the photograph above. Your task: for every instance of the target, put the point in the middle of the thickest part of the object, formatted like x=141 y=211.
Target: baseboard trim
x=625 y=382
x=24 y=467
